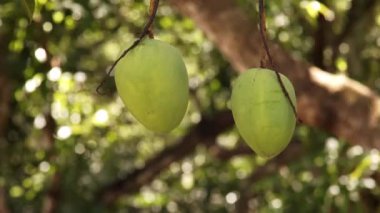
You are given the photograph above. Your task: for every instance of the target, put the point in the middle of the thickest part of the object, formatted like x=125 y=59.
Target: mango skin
x=262 y=114
x=153 y=84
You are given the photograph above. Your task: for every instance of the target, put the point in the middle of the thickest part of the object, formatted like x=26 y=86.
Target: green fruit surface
x=262 y=114
x=153 y=84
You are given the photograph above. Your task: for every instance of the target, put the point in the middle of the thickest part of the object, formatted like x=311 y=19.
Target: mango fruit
x=262 y=114
x=152 y=82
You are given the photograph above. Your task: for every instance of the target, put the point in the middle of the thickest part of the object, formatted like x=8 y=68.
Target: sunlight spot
x=283 y=36
x=59 y=110
x=80 y=77
x=58 y=17
x=66 y=82
x=375 y=159
x=149 y=196
x=227 y=140
x=32 y=84
x=44 y=166
x=39 y=121
x=334 y=190
x=354 y=196
x=231 y=197
x=344 y=48
x=307 y=176
x=352 y=184
x=195 y=117
x=16 y=191
x=40 y=54
x=284 y=171
x=172 y=207
x=101 y=117
x=174 y=168
x=79 y=149
x=95 y=167
x=313 y=8
x=297 y=186
x=341 y=64
x=47 y=27
x=75 y=118
x=355 y=151
x=369 y=183
x=64 y=132
x=281 y=20
x=315 y=5
x=343 y=180
x=54 y=74
x=276 y=203
x=200 y=159
x=332 y=144
x=187 y=181
x=194 y=82
x=187 y=167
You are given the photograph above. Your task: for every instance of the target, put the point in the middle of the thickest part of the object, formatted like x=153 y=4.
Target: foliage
x=55 y=62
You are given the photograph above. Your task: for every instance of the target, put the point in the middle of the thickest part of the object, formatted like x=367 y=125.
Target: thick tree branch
x=51 y=200
x=320 y=41
x=5 y=103
x=203 y=133
x=3 y=204
x=334 y=103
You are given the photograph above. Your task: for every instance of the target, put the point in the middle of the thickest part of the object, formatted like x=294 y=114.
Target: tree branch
x=51 y=199
x=333 y=103
x=203 y=133
x=320 y=41
x=6 y=89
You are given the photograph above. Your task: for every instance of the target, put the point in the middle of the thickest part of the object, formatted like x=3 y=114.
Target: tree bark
x=5 y=98
x=5 y=102
x=334 y=103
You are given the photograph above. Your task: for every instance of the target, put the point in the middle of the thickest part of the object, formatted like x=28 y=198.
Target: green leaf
x=28 y=6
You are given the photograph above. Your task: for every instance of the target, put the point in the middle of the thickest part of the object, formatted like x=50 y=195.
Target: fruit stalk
x=265 y=44
x=152 y=10
x=147 y=30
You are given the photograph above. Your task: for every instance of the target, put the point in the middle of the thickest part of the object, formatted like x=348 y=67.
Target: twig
x=264 y=39
x=146 y=31
x=151 y=12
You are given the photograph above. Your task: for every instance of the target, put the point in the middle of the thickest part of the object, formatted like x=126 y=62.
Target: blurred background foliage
x=60 y=130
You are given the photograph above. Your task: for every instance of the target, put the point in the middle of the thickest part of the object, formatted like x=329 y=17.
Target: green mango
x=262 y=113
x=153 y=84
